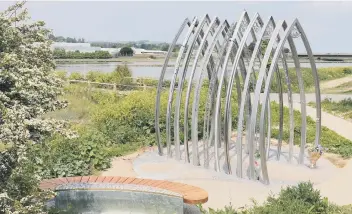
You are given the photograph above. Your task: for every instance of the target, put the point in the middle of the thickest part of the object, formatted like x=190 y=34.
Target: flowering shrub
x=28 y=89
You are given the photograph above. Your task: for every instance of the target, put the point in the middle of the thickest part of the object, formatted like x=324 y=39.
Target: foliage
x=28 y=89
x=324 y=74
x=61 y=75
x=302 y=198
x=126 y=51
x=121 y=75
x=60 y=157
x=76 y=76
x=342 y=108
x=60 y=53
x=67 y=39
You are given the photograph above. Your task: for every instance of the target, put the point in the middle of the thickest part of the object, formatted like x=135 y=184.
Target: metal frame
x=217 y=46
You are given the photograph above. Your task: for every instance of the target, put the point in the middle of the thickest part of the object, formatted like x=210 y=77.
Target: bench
x=191 y=194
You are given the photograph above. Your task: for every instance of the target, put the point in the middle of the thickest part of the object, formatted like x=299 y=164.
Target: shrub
x=61 y=74
x=302 y=198
x=76 y=76
x=121 y=75
x=60 y=157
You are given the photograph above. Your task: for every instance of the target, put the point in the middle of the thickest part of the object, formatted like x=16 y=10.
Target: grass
x=325 y=74
x=341 y=109
x=345 y=88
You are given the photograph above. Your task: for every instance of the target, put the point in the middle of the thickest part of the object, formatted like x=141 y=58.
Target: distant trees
x=138 y=44
x=67 y=39
x=60 y=53
x=165 y=47
x=126 y=51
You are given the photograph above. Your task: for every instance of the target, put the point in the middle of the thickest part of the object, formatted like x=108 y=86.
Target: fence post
x=115 y=88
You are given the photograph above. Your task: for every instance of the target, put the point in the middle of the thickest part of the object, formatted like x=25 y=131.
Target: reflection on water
x=96 y=201
x=154 y=72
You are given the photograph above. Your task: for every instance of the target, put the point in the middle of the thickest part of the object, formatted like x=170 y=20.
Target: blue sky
x=328 y=25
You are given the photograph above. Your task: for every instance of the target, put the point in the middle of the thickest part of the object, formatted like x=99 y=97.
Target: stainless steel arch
x=218 y=98
x=223 y=29
x=245 y=96
x=252 y=124
x=180 y=86
x=211 y=27
x=219 y=45
x=172 y=85
x=160 y=83
x=228 y=126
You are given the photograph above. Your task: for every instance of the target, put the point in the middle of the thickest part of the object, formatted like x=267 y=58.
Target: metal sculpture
x=221 y=52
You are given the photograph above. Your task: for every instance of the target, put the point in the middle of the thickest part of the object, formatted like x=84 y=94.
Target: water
x=145 y=69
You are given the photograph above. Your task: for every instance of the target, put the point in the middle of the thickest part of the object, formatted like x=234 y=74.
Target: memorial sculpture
x=220 y=53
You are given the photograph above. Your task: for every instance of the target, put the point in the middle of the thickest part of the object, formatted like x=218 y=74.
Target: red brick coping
x=191 y=194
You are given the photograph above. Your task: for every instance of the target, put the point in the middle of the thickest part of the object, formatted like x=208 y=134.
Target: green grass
x=325 y=74
x=342 y=108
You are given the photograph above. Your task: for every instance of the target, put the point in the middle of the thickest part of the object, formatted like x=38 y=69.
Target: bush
x=121 y=75
x=76 y=76
x=61 y=74
x=98 y=76
x=60 y=157
x=60 y=53
x=302 y=198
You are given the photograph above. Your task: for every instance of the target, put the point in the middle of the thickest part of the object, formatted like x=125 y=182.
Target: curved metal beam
x=180 y=87
x=316 y=82
x=212 y=25
x=252 y=125
x=245 y=97
x=218 y=98
x=224 y=28
x=239 y=53
x=172 y=85
x=160 y=84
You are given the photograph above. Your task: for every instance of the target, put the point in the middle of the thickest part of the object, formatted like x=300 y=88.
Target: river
x=152 y=70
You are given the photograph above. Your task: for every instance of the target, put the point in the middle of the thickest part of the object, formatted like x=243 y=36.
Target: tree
x=126 y=51
x=286 y=50
x=121 y=75
x=28 y=89
x=165 y=47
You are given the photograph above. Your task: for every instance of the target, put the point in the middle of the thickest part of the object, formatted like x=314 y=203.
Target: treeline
x=147 y=46
x=60 y=53
x=67 y=39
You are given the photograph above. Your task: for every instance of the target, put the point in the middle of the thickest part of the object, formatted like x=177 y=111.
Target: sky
x=328 y=25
